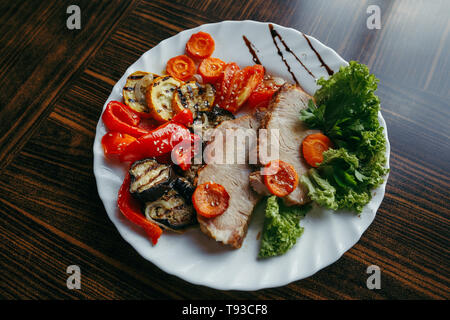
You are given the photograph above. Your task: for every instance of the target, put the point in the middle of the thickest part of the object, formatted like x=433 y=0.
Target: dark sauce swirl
x=274 y=35
x=252 y=50
x=330 y=72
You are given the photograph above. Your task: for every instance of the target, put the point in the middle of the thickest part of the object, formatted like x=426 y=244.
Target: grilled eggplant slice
x=135 y=89
x=171 y=211
x=159 y=97
x=217 y=115
x=184 y=188
x=150 y=179
x=189 y=174
x=195 y=96
x=211 y=119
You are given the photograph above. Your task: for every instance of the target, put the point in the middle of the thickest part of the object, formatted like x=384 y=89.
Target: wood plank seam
x=13 y=149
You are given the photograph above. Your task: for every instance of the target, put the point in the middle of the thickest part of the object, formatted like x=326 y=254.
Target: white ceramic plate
x=200 y=260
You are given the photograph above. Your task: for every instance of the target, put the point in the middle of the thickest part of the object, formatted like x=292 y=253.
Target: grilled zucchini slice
x=195 y=96
x=150 y=179
x=135 y=89
x=159 y=97
x=171 y=211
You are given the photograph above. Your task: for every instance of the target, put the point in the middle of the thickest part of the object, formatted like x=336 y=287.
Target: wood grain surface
x=55 y=81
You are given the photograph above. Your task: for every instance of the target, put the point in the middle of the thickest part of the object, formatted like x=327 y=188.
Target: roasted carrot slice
x=313 y=147
x=211 y=69
x=280 y=178
x=200 y=46
x=181 y=67
x=210 y=199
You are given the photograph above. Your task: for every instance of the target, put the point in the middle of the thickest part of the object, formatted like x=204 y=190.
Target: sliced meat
x=257 y=184
x=231 y=226
x=283 y=115
x=203 y=125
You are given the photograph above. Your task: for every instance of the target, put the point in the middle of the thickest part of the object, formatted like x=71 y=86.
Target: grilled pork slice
x=283 y=115
x=257 y=184
x=230 y=227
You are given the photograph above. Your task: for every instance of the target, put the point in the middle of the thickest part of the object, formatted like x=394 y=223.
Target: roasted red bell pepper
x=160 y=141
x=184 y=117
x=114 y=143
x=148 y=124
x=117 y=117
x=183 y=153
x=156 y=143
x=130 y=209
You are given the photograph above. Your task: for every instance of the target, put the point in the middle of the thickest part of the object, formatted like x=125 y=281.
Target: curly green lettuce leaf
x=353 y=200
x=320 y=190
x=281 y=227
x=336 y=183
x=346 y=107
x=346 y=110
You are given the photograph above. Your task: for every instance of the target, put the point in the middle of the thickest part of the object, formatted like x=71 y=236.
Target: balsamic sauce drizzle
x=275 y=34
x=330 y=72
x=251 y=49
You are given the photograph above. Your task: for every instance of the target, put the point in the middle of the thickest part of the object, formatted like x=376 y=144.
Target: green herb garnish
x=346 y=110
x=281 y=227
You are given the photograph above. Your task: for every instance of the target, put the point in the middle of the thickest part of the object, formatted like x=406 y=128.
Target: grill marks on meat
x=283 y=115
x=230 y=227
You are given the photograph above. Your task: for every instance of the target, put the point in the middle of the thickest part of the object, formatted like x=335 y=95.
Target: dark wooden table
x=54 y=82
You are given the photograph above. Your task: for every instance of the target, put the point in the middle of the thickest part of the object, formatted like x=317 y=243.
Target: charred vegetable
x=191 y=174
x=212 y=118
x=150 y=179
x=217 y=115
x=135 y=89
x=171 y=211
x=184 y=188
x=159 y=98
x=194 y=96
